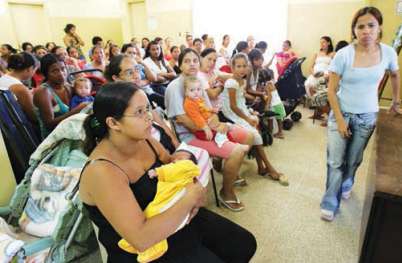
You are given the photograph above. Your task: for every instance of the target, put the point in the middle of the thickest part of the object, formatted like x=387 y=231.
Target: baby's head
x=82 y=87
x=184 y=155
x=192 y=87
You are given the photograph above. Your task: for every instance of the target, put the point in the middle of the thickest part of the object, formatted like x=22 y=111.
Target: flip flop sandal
x=227 y=203
x=240 y=182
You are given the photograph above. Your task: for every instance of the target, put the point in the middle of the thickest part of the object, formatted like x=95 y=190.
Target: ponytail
x=94 y=133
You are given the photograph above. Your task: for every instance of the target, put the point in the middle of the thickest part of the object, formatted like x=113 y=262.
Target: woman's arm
x=333 y=102
x=396 y=99
x=170 y=74
x=163 y=154
x=109 y=190
x=79 y=39
x=25 y=100
x=148 y=73
x=213 y=93
x=43 y=100
x=312 y=64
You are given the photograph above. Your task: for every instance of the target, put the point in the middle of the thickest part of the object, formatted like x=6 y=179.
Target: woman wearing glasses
x=115 y=189
x=130 y=67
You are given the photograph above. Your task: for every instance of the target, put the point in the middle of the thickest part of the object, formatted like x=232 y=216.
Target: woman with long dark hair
x=115 y=188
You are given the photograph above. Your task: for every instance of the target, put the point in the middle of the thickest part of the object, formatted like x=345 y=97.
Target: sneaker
x=346 y=195
x=327 y=215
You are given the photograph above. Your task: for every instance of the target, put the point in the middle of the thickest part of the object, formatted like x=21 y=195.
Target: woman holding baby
x=115 y=188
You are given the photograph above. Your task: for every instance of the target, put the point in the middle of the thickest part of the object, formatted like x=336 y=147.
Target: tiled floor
x=286 y=220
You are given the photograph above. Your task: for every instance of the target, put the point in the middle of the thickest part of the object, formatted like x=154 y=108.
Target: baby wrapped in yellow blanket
x=172 y=180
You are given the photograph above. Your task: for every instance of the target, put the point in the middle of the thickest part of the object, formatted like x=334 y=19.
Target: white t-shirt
x=6 y=81
x=154 y=67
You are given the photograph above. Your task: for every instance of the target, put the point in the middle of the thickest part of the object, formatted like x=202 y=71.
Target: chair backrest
x=20 y=119
x=16 y=144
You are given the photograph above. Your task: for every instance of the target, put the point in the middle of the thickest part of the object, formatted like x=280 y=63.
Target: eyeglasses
x=140 y=113
x=130 y=72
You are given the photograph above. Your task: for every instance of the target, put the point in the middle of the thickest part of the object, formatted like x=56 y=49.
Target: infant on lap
x=172 y=181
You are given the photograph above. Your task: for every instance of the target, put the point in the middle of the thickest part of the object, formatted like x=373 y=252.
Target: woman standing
x=72 y=39
x=354 y=76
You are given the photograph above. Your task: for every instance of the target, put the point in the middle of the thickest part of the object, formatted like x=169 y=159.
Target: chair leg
x=214 y=187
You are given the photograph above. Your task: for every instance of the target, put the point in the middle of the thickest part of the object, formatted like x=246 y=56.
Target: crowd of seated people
x=209 y=107
x=158 y=96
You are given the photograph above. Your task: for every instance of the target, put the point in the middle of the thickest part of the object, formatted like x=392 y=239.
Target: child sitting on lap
x=203 y=117
x=82 y=90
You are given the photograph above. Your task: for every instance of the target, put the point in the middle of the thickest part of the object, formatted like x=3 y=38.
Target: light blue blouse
x=358 y=87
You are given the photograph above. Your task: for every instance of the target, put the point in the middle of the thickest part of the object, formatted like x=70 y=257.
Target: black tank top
x=144 y=191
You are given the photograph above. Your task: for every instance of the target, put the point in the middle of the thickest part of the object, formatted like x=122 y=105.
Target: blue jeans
x=345 y=155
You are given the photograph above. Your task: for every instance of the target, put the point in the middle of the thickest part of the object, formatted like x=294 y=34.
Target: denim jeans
x=344 y=155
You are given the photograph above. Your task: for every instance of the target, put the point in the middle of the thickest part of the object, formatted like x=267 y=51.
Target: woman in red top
x=284 y=57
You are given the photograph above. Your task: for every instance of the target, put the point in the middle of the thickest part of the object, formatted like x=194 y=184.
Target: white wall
x=265 y=20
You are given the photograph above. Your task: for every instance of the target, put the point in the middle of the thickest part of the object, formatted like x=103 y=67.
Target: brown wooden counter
x=381 y=237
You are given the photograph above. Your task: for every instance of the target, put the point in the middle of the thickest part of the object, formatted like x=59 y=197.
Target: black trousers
x=209 y=238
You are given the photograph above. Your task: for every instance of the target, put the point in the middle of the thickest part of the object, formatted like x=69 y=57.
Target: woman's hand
x=343 y=128
x=196 y=193
x=253 y=121
x=208 y=134
x=222 y=128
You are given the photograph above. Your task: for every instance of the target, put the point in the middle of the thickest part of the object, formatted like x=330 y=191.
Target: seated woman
x=167 y=46
x=73 y=53
x=214 y=79
x=160 y=68
x=21 y=67
x=51 y=100
x=115 y=189
x=241 y=47
x=140 y=70
x=284 y=57
x=233 y=153
x=123 y=68
x=234 y=108
x=114 y=50
x=224 y=51
x=98 y=61
x=174 y=59
x=6 y=50
x=319 y=69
